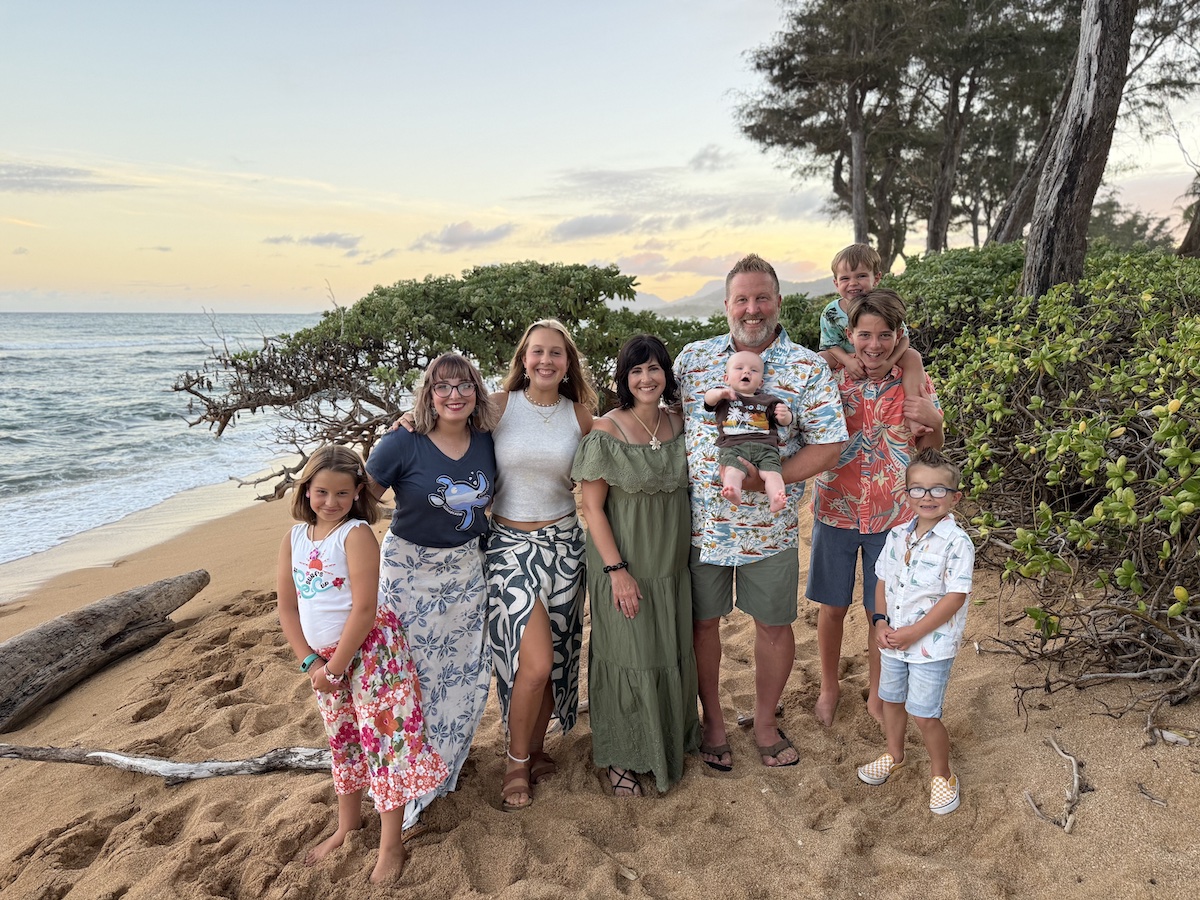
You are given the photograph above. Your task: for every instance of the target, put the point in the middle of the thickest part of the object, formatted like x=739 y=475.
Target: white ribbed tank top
x=534 y=451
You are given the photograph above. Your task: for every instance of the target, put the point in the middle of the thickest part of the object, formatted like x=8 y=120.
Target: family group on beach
x=689 y=488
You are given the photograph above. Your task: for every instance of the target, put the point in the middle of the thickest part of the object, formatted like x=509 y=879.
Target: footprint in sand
x=149 y=710
x=162 y=828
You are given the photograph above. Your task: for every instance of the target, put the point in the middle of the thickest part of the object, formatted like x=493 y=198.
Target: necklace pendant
x=655 y=443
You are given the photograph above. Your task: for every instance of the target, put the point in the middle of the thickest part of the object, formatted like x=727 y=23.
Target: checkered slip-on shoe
x=880 y=770
x=943 y=795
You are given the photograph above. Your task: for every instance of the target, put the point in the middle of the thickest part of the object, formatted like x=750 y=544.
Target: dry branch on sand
x=43 y=663
x=304 y=758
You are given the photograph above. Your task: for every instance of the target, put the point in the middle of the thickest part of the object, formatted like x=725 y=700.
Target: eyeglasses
x=466 y=389
x=937 y=493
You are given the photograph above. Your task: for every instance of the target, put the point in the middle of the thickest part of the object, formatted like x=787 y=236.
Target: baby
x=746 y=422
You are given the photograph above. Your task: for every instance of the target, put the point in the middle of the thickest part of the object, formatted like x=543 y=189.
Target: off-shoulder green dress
x=642 y=671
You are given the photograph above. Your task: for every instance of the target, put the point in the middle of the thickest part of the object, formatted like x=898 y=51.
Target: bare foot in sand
x=327 y=846
x=826 y=707
x=390 y=864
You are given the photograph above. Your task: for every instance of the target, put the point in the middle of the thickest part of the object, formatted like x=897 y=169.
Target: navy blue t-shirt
x=440 y=501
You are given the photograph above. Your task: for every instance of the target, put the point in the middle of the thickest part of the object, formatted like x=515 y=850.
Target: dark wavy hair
x=640 y=349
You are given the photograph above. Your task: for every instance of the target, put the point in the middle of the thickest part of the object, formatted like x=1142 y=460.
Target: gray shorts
x=766 y=589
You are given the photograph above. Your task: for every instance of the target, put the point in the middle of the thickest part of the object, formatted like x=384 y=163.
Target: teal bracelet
x=308 y=661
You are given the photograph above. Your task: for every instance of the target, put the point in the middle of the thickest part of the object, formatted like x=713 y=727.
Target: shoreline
x=105 y=545
x=196 y=529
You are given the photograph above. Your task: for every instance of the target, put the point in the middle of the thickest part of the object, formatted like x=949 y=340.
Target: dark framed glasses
x=937 y=493
x=444 y=389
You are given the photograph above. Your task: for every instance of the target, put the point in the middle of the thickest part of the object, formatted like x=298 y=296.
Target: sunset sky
x=257 y=156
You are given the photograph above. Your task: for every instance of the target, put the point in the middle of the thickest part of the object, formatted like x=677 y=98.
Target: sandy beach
x=223 y=685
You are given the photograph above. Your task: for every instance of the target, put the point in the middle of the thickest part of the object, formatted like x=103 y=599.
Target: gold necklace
x=538 y=407
x=655 y=443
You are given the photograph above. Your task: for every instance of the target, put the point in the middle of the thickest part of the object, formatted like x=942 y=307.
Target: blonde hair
x=858 y=256
x=451 y=365
x=576 y=386
x=335 y=458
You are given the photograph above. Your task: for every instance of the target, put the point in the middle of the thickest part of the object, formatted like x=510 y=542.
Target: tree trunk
x=1190 y=245
x=858 y=167
x=1017 y=210
x=43 y=663
x=942 y=201
x=1057 y=241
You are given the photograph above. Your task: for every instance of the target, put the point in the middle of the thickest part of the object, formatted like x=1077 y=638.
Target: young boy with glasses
x=925 y=573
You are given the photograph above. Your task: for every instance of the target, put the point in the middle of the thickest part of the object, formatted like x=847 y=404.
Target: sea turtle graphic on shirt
x=462 y=497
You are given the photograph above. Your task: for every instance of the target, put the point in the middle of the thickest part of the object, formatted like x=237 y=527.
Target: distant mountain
x=710 y=299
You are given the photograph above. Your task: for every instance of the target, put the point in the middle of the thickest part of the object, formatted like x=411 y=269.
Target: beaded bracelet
x=621 y=565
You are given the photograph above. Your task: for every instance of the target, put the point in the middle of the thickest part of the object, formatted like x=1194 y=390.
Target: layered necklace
x=538 y=407
x=655 y=443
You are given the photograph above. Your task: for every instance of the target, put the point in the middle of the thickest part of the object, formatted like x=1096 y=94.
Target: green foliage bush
x=1077 y=417
x=801 y=317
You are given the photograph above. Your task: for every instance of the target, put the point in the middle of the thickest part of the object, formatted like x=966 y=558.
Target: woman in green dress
x=641 y=669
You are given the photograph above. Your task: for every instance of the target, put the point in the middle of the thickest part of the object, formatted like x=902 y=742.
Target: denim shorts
x=831 y=565
x=920 y=686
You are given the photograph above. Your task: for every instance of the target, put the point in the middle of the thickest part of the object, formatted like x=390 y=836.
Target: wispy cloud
x=159 y=249
x=22 y=223
x=643 y=263
x=660 y=199
x=33 y=178
x=372 y=258
x=333 y=239
x=21 y=251
x=712 y=266
x=711 y=159
x=462 y=234
x=592 y=226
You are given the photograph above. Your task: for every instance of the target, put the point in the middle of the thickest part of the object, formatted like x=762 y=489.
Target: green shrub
x=1077 y=417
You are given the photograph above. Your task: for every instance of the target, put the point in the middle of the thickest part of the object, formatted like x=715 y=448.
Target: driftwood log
x=44 y=662
x=303 y=758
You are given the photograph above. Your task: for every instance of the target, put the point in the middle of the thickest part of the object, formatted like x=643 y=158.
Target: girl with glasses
x=443 y=476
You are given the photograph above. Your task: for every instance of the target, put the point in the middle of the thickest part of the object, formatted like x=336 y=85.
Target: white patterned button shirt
x=940 y=562
x=730 y=535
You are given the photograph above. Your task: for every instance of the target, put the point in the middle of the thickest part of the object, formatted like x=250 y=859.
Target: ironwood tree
x=884 y=98
x=1057 y=243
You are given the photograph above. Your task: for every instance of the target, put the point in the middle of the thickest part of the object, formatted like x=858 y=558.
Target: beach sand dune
x=224 y=686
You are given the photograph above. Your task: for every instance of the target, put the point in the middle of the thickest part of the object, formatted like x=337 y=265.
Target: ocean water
x=90 y=430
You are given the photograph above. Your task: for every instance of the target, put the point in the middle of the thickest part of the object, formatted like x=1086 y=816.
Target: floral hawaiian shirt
x=918 y=572
x=864 y=492
x=730 y=535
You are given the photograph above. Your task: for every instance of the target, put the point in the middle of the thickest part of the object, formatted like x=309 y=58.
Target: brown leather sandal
x=541 y=766
x=516 y=781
